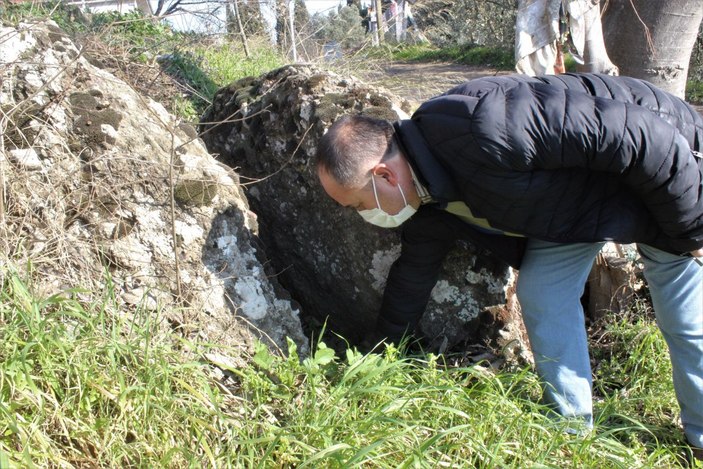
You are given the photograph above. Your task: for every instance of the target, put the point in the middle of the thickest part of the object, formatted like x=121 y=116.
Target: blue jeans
x=549 y=288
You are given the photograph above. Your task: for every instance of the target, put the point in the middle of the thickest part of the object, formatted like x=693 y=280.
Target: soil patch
x=419 y=81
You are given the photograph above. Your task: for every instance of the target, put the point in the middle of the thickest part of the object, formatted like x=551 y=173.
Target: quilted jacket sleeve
x=425 y=243
x=532 y=127
x=427 y=237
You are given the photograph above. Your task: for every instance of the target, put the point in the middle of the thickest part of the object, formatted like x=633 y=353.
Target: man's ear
x=386 y=172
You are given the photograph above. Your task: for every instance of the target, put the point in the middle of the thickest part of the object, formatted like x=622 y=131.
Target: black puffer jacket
x=568 y=158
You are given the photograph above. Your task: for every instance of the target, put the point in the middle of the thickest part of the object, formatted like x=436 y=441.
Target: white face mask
x=376 y=216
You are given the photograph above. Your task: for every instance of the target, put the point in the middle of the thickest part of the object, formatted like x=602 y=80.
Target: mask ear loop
x=373 y=183
x=405 y=202
x=378 y=204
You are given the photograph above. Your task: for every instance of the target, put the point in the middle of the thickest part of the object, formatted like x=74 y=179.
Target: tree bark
x=282 y=24
x=291 y=28
x=653 y=40
x=595 y=56
x=379 y=21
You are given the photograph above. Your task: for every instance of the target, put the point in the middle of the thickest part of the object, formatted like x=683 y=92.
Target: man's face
x=387 y=176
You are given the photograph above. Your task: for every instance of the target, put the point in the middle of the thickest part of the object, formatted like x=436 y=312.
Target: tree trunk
x=291 y=29
x=653 y=40
x=282 y=24
x=144 y=7
x=232 y=15
x=379 y=21
x=589 y=34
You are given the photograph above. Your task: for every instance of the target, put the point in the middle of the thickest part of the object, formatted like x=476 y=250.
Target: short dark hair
x=353 y=142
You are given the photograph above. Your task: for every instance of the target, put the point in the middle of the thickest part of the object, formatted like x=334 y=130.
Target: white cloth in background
x=537 y=31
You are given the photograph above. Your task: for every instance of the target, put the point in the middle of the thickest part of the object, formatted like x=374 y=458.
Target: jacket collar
x=430 y=173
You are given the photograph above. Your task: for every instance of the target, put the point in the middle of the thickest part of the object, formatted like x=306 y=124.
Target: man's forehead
x=343 y=195
x=331 y=186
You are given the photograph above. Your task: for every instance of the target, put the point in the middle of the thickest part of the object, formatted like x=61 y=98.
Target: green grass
x=464 y=54
x=694 y=91
x=83 y=384
x=13 y=13
x=208 y=68
x=80 y=384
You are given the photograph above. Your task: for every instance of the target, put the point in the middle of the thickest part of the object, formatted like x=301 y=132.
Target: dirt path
x=418 y=82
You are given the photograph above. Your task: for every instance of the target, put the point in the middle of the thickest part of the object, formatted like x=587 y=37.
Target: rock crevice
x=330 y=261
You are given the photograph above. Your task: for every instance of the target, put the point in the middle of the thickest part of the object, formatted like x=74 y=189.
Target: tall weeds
x=84 y=384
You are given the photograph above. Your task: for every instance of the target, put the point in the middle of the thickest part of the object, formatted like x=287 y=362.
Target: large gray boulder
x=102 y=186
x=327 y=257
